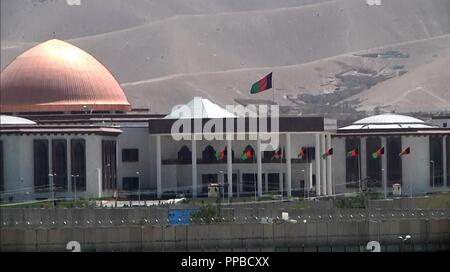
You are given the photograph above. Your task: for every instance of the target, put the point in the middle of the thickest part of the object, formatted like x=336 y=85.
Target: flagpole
x=307 y=175
x=359 y=170
x=273 y=87
x=280 y=179
x=256 y=169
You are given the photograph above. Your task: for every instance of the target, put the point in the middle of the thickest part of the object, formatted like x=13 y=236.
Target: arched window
x=185 y=155
x=248 y=153
x=59 y=159
x=226 y=153
x=208 y=154
x=273 y=155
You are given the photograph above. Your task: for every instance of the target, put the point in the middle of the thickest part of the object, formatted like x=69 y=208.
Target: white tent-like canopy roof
x=387 y=121
x=6 y=120
x=199 y=108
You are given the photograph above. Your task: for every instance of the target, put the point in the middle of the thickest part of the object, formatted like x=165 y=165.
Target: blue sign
x=180 y=216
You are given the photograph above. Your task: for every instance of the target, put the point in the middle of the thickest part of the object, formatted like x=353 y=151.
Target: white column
x=194 y=167
x=259 y=162
x=230 y=168
x=384 y=166
x=288 y=166
x=310 y=173
x=281 y=181
x=363 y=158
x=444 y=159
x=51 y=180
x=317 y=161
x=329 y=187
x=239 y=190
x=323 y=166
x=158 y=167
x=99 y=183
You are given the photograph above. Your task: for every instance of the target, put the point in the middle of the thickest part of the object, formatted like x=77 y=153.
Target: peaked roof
x=6 y=120
x=199 y=108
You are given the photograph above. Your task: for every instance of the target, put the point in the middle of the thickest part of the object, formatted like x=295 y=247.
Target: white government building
x=68 y=130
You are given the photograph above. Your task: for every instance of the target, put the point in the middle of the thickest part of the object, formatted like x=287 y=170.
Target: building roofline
x=286 y=124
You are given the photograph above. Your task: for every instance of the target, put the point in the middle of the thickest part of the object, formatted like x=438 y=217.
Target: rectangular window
x=59 y=164
x=41 y=165
x=130 y=155
x=394 y=161
x=436 y=161
x=234 y=185
x=352 y=163
x=248 y=183
x=274 y=182
x=109 y=168
x=130 y=183
x=206 y=180
x=78 y=164
x=373 y=165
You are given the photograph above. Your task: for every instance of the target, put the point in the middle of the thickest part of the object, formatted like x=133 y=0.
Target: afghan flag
x=405 y=151
x=302 y=153
x=246 y=155
x=377 y=154
x=328 y=153
x=353 y=153
x=277 y=154
x=219 y=155
x=262 y=85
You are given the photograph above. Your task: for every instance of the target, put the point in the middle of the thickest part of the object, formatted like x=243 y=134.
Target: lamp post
x=52 y=184
x=222 y=185
x=139 y=186
x=384 y=183
x=432 y=162
x=404 y=239
x=75 y=185
x=304 y=184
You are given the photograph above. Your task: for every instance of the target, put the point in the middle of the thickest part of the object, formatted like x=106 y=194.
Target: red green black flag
x=405 y=151
x=219 y=155
x=328 y=153
x=246 y=155
x=353 y=153
x=377 y=154
x=301 y=154
x=262 y=85
x=277 y=154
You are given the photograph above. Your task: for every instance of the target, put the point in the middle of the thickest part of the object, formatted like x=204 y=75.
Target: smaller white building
x=56 y=161
x=423 y=170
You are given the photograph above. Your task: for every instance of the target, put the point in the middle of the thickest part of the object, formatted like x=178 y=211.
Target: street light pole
x=75 y=185
x=304 y=184
x=384 y=181
x=52 y=184
x=432 y=162
x=139 y=186
x=404 y=239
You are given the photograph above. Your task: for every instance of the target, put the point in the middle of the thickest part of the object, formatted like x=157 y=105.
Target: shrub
x=206 y=213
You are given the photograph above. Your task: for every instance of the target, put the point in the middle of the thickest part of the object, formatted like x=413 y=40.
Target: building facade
x=67 y=131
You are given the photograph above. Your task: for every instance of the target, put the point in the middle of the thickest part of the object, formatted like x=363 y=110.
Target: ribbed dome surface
x=389 y=119
x=57 y=76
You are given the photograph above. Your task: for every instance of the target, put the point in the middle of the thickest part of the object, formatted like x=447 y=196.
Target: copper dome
x=57 y=76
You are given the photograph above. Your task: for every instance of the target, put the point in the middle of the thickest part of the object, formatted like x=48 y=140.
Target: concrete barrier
x=318 y=236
